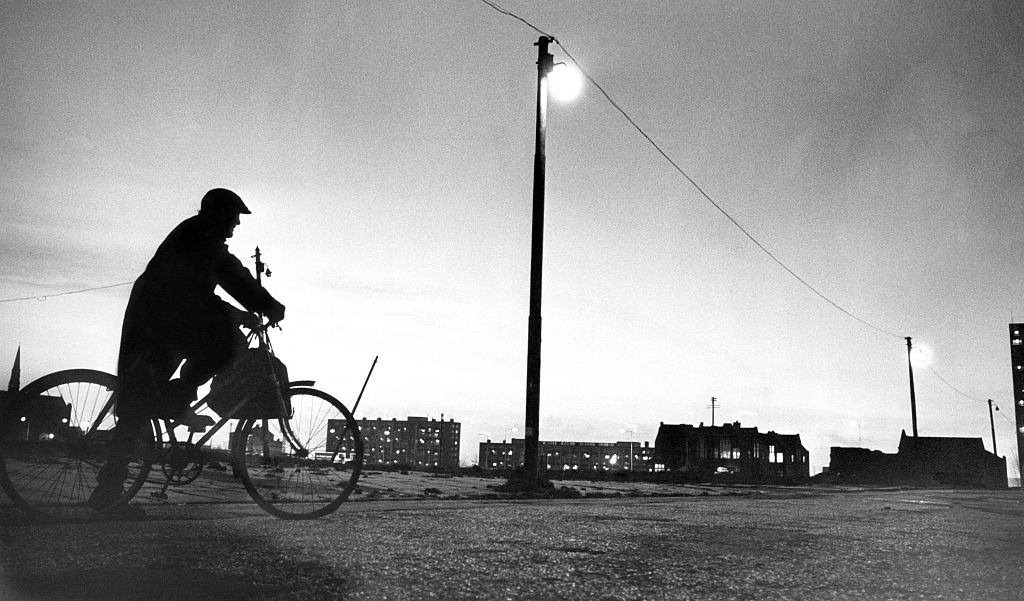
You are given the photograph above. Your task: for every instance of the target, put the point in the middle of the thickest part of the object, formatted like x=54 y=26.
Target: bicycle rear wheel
x=303 y=467
x=53 y=438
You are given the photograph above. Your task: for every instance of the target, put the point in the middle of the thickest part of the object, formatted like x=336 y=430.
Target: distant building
x=263 y=442
x=569 y=457
x=416 y=443
x=1017 y=369
x=45 y=417
x=920 y=461
x=743 y=454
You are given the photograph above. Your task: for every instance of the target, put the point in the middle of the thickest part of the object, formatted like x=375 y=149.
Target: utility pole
x=531 y=436
x=992 y=422
x=712 y=406
x=913 y=399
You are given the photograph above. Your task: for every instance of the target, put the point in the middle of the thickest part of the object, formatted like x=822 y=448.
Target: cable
x=961 y=393
x=517 y=17
x=717 y=206
x=691 y=180
x=46 y=296
x=954 y=388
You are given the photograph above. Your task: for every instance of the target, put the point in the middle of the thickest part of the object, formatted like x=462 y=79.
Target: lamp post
x=913 y=399
x=992 y=423
x=569 y=85
x=545 y=63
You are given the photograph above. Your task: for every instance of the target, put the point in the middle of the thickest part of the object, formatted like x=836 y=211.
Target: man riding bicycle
x=173 y=314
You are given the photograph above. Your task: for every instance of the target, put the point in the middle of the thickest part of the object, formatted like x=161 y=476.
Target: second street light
x=913 y=398
x=531 y=436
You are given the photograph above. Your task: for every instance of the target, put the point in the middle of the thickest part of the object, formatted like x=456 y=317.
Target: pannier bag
x=251 y=375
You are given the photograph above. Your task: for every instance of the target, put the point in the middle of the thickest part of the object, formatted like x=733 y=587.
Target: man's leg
x=141 y=365
x=119 y=453
x=211 y=353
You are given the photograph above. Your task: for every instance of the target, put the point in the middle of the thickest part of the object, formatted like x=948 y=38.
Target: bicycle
x=298 y=455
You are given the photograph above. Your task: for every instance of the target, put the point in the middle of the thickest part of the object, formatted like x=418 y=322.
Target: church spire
x=15 y=383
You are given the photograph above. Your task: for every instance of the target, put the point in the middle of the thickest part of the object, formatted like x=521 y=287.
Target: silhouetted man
x=173 y=314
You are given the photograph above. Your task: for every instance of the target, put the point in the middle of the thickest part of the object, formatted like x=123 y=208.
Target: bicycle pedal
x=159 y=495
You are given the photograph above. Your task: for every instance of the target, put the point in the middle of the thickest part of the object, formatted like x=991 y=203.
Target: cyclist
x=173 y=314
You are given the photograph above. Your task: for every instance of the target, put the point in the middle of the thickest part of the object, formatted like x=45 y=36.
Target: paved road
x=774 y=544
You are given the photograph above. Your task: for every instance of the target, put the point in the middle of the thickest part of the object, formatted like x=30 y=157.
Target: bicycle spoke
x=299 y=478
x=53 y=447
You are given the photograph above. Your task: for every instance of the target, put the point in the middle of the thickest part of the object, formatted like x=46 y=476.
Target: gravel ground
x=775 y=543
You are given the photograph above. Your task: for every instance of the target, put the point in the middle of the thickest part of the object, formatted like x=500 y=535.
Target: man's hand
x=275 y=313
x=250 y=321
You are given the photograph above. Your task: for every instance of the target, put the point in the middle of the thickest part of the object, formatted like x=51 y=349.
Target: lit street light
x=992 y=423
x=913 y=399
x=568 y=83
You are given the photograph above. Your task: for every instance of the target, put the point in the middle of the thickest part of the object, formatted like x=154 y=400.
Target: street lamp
x=545 y=63
x=566 y=82
x=921 y=357
x=992 y=423
x=531 y=436
x=564 y=77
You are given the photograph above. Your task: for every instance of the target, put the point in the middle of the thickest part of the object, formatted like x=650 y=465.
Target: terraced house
x=741 y=454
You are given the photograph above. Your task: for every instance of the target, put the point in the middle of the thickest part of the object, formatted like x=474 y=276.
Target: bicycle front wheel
x=303 y=467
x=53 y=441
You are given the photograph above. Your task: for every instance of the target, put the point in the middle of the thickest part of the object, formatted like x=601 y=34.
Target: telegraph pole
x=531 y=436
x=913 y=399
x=712 y=406
x=992 y=422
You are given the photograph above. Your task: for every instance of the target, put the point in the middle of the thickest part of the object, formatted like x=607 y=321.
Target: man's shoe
x=194 y=422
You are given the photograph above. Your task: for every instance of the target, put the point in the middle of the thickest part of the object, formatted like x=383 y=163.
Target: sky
x=386 y=152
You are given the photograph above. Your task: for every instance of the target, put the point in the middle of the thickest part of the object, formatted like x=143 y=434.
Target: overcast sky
x=386 y=151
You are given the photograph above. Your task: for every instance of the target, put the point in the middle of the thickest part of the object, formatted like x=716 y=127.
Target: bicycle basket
x=252 y=375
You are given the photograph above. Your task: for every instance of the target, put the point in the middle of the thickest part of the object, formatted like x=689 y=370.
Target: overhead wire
x=954 y=388
x=664 y=155
x=517 y=17
x=965 y=395
x=42 y=297
x=692 y=182
x=706 y=196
